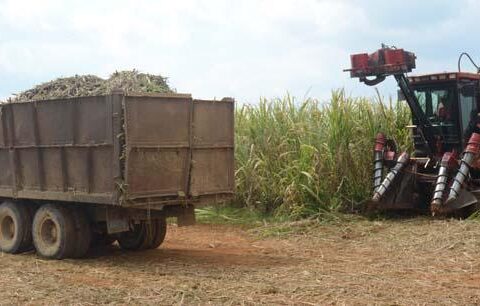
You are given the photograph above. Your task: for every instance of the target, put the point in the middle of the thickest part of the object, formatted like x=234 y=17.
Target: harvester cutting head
x=380 y=64
x=443 y=174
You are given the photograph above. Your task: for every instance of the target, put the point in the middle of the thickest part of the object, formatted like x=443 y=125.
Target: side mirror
x=400 y=95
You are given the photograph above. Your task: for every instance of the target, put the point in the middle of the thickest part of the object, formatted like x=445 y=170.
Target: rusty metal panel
x=28 y=169
x=92 y=117
x=22 y=124
x=72 y=121
x=153 y=172
x=179 y=147
x=77 y=169
x=213 y=123
x=213 y=167
x=59 y=149
x=161 y=148
x=54 y=180
x=6 y=177
x=54 y=122
x=101 y=176
x=157 y=121
x=3 y=127
x=212 y=172
x=157 y=145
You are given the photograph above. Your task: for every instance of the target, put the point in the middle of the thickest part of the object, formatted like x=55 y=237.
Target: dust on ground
x=397 y=262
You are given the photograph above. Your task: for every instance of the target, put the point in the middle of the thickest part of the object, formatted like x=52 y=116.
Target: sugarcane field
x=311 y=152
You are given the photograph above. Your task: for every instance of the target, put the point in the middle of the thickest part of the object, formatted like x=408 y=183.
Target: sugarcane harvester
x=443 y=173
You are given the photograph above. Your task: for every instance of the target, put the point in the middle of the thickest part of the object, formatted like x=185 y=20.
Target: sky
x=243 y=49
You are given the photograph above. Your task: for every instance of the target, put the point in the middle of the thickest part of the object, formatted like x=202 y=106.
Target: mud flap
x=401 y=195
x=465 y=198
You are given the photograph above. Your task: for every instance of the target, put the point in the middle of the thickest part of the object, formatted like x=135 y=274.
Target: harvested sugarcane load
x=91 y=85
x=84 y=162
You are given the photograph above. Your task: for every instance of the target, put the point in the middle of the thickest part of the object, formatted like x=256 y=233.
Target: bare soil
x=398 y=262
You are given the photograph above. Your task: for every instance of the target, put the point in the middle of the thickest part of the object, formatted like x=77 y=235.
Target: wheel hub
x=7 y=228
x=49 y=232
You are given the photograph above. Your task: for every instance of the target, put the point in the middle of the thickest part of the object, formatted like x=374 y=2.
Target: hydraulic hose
x=385 y=185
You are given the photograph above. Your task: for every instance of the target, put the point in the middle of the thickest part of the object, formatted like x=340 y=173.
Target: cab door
x=467 y=97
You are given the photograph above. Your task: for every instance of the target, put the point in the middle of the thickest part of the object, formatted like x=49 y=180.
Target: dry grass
x=399 y=262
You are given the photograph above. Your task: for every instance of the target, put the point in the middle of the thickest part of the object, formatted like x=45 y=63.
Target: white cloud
x=210 y=48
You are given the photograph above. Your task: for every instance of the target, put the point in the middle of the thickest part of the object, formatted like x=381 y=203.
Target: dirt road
x=405 y=262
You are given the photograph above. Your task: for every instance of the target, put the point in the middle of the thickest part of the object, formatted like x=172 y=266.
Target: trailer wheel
x=102 y=239
x=150 y=231
x=83 y=233
x=155 y=231
x=134 y=239
x=54 y=232
x=160 y=230
x=15 y=228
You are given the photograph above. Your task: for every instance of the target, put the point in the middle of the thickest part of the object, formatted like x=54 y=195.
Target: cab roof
x=442 y=77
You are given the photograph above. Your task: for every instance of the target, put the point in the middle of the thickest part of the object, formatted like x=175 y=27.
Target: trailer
x=89 y=170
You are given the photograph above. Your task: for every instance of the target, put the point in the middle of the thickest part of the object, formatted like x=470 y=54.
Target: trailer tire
x=160 y=230
x=134 y=239
x=145 y=236
x=83 y=233
x=15 y=228
x=102 y=240
x=54 y=234
x=150 y=232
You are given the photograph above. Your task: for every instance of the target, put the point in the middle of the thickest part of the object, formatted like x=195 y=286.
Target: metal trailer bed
x=119 y=157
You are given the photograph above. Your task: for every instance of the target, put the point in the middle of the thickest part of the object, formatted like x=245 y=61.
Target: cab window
x=437 y=104
x=467 y=105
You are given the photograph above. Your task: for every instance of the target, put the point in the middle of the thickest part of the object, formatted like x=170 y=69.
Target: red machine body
x=443 y=173
x=385 y=61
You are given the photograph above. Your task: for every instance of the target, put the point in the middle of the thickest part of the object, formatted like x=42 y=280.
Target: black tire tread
x=160 y=233
x=66 y=223
x=20 y=212
x=83 y=233
x=133 y=241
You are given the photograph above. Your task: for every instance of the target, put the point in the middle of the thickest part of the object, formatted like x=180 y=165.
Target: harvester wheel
x=15 y=228
x=83 y=233
x=134 y=239
x=54 y=234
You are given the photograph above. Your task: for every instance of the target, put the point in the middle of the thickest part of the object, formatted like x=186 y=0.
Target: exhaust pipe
x=378 y=160
x=447 y=162
x=380 y=191
x=469 y=155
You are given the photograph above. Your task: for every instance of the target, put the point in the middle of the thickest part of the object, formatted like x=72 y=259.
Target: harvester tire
x=15 y=228
x=54 y=233
x=83 y=233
